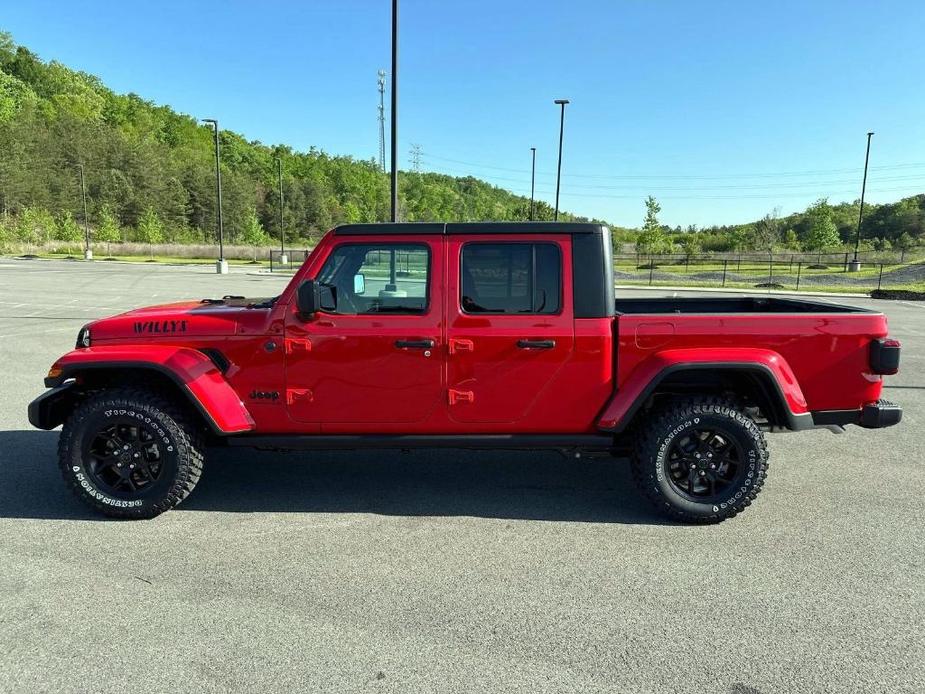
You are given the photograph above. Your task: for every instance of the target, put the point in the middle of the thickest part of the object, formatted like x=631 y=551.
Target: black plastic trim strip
x=459 y=441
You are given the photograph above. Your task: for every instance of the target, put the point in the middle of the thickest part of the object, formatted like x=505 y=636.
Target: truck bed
x=743 y=304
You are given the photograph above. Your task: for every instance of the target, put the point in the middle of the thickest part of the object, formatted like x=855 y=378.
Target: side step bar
x=309 y=442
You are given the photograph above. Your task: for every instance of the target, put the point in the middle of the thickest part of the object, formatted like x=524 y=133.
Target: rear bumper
x=875 y=415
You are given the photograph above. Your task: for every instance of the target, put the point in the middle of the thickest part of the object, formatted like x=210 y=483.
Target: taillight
x=884 y=355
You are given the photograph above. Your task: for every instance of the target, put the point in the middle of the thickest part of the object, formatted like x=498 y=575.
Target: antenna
x=382 y=120
x=416 y=153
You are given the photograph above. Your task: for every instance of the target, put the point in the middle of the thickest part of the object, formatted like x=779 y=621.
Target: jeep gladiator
x=476 y=335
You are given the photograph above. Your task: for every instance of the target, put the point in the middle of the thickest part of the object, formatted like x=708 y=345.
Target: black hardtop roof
x=470 y=228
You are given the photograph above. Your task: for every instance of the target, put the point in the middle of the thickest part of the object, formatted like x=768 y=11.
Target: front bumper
x=875 y=415
x=52 y=407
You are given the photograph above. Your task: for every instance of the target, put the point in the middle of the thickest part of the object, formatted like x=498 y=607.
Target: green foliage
x=34 y=226
x=254 y=234
x=138 y=155
x=822 y=234
x=107 y=229
x=652 y=239
x=690 y=245
x=766 y=232
x=150 y=228
x=66 y=229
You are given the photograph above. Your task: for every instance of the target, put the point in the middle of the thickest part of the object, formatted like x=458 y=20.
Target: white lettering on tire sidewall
x=753 y=463
x=83 y=480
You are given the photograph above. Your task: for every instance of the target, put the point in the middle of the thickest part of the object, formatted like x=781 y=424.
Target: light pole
x=221 y=265
x=855 y=264
x=562 y=103
x=283 y=258
x=532 y=180
x=88 y=254
x=394 y=123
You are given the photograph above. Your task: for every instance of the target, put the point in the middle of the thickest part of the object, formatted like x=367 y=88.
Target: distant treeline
x=150 y=178
x=150 y=170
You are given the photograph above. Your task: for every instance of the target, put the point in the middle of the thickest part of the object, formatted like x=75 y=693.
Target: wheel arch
x=766 y=382
x=187 y=374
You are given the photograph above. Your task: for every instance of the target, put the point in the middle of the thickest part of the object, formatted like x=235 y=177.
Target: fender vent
x=220 y=360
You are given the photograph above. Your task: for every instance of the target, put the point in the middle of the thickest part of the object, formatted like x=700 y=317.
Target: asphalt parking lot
x=448 y=572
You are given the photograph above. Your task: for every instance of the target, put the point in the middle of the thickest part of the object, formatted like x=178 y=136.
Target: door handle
x=415 y=344
x=536 y=344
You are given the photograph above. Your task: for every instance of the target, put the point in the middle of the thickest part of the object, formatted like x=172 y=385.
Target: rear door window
x=515 y=278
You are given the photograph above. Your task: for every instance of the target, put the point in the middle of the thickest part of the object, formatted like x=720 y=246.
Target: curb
x=729 y=290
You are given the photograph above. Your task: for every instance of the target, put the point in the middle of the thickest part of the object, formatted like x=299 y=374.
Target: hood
x=185 y=319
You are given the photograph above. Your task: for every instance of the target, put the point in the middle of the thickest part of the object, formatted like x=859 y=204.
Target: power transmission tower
x=416 y=153
x=382 y=119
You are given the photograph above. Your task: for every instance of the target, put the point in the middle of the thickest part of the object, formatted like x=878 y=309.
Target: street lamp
x=855 y=264
x=283 y=258
x=221 y=265
x=394 y=114
x=88 y=254
x=562 y=103
x=532 y=180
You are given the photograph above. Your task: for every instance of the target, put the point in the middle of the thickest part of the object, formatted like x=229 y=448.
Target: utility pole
x=283 y=258
x=88 y=254
x=532 y=180
x=382 y=120
x=221 y=265
x=855 y=264
x=416 y=153
x=394 y=110
x=562 y=103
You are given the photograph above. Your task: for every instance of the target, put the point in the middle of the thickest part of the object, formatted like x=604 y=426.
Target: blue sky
x=722 y=110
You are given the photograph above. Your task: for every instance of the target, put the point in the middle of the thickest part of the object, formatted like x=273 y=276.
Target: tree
x=766 y=232
x=652 y=239
x=107 y=229
x=822 y=234
x=690 y=245
x=150 y=229
x=67 y=229
x=254 y=234
x=34 y=226
x=904 y=243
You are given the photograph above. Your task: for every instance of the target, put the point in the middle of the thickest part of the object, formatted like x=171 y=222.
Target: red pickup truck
x=479 y=335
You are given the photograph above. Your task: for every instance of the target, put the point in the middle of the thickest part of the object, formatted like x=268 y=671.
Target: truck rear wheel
x=130 y=453
x=701 y=460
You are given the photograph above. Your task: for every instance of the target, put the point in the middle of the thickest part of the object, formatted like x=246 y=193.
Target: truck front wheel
x=700 y=460
x=130 y=453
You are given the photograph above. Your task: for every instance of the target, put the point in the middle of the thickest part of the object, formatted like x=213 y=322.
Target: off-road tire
x=173 y=429
x=665 y=428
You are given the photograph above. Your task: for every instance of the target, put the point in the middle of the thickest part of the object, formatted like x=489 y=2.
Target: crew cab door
x=510 y=325
x=373 y=356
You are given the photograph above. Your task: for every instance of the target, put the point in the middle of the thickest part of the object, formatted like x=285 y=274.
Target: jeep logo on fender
x=264 y=395
x=160 y=326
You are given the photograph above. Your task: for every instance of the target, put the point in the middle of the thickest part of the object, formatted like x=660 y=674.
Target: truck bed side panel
x=828 y=353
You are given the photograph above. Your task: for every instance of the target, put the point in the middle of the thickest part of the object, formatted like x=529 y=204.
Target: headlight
x=83 y=337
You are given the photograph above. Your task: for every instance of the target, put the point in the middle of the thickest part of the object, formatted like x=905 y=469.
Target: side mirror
x=308 y=300
x=359 y=284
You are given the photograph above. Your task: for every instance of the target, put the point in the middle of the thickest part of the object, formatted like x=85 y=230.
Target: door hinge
x=461 y=345
x=461 y=396
x=293 y=345
x=295 y=394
